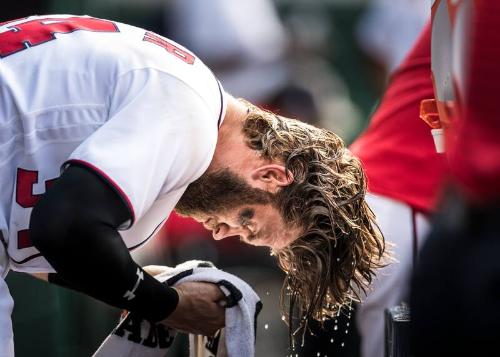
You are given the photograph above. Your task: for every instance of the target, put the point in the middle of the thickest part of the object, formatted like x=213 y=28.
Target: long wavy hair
x=335 y=259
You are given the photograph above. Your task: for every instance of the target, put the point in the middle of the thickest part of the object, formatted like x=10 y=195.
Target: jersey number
x=26 y=199
x=35 y=32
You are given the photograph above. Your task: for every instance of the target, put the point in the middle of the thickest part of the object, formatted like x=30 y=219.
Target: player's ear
x=273 y=176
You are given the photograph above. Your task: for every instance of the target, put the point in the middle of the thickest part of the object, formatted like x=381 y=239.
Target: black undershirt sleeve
x=74 y=226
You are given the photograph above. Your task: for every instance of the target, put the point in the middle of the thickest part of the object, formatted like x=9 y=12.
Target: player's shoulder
x=96 y=52
x=92 y=40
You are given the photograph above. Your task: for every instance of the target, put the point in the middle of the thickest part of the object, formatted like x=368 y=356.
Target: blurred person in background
x=249 y=60
x=455 y=297
x=387 y=29
x=315 y=217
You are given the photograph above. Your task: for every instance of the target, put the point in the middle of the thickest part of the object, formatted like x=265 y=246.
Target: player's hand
x=154 y=270
x=200 y=309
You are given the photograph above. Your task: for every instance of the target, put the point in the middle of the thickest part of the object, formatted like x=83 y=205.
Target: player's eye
x=248 y=225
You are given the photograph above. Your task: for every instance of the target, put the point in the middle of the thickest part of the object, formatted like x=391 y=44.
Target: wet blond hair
x=335 y=258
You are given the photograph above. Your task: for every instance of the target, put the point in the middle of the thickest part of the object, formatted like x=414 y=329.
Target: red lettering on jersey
x=23 y=239
x=170 y=47
x=35 y=32
x=24 y=188
x=26 y=199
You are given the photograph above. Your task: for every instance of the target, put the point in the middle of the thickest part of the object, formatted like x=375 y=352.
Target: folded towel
x=134 y=336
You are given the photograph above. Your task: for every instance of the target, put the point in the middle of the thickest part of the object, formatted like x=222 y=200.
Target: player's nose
x=223 y=231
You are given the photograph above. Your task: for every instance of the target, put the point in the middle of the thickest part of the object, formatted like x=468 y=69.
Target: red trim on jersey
x=38 y=255
x=156 y=230
x=110 y=181
x=219 y=121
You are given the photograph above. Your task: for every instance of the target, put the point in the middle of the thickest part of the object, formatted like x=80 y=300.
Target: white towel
x=135 y=337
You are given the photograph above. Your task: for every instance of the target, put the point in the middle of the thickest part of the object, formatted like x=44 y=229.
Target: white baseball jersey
x=138 y=109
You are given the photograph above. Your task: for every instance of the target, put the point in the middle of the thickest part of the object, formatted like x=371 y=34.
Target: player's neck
x=233 y=118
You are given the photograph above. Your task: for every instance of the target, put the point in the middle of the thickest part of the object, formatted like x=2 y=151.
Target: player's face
x=230 y=207
x=258 y=224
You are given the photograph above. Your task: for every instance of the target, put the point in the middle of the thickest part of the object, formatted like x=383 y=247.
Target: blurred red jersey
x=397 y=149
x=474 y=154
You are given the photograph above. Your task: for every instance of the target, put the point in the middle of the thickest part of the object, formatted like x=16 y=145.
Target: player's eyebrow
x=245 y=215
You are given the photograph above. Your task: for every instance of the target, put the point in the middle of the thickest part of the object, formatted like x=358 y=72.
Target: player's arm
x=75 y=227
x=54 y=278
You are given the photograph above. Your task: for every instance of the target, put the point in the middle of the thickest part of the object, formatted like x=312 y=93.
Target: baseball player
x=105 y=128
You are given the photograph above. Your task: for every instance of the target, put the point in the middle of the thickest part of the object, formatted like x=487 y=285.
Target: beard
x=219 y=191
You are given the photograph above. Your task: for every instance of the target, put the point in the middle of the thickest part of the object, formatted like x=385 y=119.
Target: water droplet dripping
x=335 y=327
x=331 y=340
x=342 y=344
